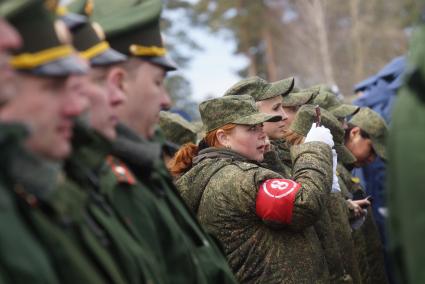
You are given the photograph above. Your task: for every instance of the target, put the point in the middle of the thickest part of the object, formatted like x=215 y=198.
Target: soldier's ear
x=222 y=137
x=355 y=132
x=116 y=77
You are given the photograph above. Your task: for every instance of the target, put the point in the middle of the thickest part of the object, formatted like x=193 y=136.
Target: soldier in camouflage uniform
x=332 y=228
x=259 y=216
x=268 y=98
x=365 y=138
x=189 y=255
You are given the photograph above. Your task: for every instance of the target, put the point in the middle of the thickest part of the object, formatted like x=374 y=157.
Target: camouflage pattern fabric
x=367 y=244
x=260 y=89
x=176 y=129
x=238 y=109
x=221 y=188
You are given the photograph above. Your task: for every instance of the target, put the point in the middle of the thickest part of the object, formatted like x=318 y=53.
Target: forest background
x=334 y=42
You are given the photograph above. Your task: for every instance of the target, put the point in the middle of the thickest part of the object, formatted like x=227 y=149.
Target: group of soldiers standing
x=93 y=191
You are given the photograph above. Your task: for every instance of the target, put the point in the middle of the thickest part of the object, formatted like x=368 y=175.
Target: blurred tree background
x=317 y=41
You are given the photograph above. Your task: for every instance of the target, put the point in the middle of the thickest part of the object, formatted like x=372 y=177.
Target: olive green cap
x=374 y=125
x=306 y=116
x=330 y=102
x=297 y=98
x=260 y=89
x=176 y=129
x=46 y=48
x=237 y=109
x=89 y=37
x=133 y=28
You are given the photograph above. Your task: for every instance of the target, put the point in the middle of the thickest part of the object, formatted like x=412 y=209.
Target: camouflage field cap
x=298 y=98
x=330 y=102
x=89 y=38
x=46 y=48
x=176 y=129
x=374 y=125
x=237 y=109
x=303 y=120
x=133 y=28
x=260 y=89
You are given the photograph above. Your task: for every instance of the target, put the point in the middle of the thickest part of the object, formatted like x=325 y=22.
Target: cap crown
x=177 y=129
x=260 y=89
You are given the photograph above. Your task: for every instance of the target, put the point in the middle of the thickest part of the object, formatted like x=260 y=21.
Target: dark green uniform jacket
x=406 y=168
x=22 y=257
x=368 y=249
x=122 y=209
x=222 y=187
x=190 y=255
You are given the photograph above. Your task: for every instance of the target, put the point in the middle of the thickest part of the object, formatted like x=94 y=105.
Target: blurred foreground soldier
x=45 y=105
x=116 y=202
x=177 y=131
x=9 y=40
x=189 y=254
x=365 y=137
x=406 y=164
x=259 y=216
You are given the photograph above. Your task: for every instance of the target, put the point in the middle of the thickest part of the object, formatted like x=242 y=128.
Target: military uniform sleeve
x=312 y=168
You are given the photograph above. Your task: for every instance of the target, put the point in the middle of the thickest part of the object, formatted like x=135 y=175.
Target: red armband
x=275 y=200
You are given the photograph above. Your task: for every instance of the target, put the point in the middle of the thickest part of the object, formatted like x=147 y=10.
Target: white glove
x=319 y=134
x=335 y=183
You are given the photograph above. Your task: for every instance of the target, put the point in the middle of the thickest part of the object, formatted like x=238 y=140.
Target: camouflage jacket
x=368 y=249
x=221 y=189
x=323 y=233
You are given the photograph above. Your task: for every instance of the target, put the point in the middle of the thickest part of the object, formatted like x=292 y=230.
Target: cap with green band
x=46 y=48
x=133 y=28
x=89 y=37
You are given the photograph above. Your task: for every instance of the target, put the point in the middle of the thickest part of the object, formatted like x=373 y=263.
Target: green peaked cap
x=298 y=98
x=237 y=109
x=133 y=28
x=89 y=37
x=374 y=125
x=330 y=102
x=306 y=116
x=46 y=48
x=176 y=129
x=260 y=89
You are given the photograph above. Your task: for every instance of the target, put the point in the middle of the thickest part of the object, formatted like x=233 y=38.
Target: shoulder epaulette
x=121 y=171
